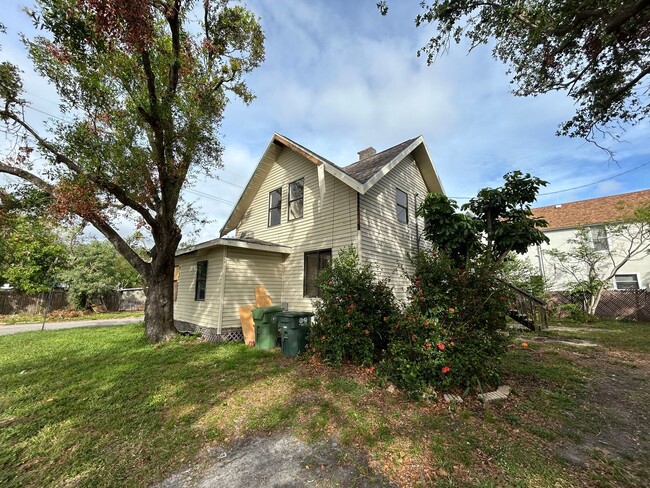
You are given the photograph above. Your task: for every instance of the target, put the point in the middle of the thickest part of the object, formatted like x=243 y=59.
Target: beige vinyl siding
x=330 y=224
x=206 y=312
x=385 y=241
x=245 y=270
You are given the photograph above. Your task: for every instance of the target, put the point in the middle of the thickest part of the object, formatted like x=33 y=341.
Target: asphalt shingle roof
x=365 y=169
x=592 y=211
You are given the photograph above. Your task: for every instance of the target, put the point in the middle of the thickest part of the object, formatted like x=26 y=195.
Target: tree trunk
x=159 y=305
x=595 y=300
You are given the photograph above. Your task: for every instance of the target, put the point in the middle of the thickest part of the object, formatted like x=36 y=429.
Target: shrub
x=456 y=321
x=353 y=315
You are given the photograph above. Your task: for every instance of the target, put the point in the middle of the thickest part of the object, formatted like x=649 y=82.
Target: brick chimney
x=366 y=153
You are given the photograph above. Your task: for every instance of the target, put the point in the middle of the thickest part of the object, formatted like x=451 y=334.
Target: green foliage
x=522 y=274
x=499 y=221
x=456 y=320
x=96 y=269
x=31 y=253
x=596 y=50
x=352 y=319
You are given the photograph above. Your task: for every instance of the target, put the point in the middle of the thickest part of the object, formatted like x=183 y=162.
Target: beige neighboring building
x=594 y=214
x=296 y=212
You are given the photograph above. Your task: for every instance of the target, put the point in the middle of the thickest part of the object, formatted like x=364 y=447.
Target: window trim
x=278 y=207
x=398 y=206
x=318 y=252
x=203 y=280
x=636 y=277
x=290 y=201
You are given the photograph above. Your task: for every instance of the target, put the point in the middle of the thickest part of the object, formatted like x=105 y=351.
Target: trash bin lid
x=258 y=313
x=295 y=314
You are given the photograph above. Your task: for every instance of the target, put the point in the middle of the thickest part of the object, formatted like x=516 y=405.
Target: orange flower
x=441 y=346
x=524 y=344
x=366 y=332
x=329 y=282
x=446 y=369
x=452 y=310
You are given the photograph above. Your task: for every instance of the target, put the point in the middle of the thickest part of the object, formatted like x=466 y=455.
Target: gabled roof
x=360 y=175
x=592 y=211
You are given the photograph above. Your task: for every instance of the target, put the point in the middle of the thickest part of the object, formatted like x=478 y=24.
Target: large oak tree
x=144 y=85
x=596 y=50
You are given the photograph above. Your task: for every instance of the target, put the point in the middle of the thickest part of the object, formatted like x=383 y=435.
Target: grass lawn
x=63 y=316
x=102 y=407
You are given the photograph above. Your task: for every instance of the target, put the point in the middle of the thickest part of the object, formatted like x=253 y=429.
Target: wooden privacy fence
x=614 y=304
x=13 y=302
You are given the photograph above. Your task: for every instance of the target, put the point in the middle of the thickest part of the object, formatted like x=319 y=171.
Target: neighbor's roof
x=242 y=242
x=592 y=211
x=360 y=175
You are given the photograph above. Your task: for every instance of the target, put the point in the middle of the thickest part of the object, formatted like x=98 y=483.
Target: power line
x=580 y=186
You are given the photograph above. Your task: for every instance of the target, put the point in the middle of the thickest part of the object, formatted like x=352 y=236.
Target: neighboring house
x=296 y=212
x=593 y=214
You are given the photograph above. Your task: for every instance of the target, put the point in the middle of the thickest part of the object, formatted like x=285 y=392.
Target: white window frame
x=593 y=239
x=636 y=275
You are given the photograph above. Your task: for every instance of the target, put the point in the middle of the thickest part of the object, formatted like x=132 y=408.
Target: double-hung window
x=402 y=205
x=275 y=207
x=598 y=238
x=315 y=262
x=296 y=198
x=201 y=280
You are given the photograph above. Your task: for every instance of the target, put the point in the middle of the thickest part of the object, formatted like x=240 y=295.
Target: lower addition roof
x=239 y=242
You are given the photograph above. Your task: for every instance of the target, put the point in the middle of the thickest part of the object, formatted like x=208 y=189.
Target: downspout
x=417 y=227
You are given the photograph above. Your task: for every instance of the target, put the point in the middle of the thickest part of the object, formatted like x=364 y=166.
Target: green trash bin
x=266 y=326
x=294 y=327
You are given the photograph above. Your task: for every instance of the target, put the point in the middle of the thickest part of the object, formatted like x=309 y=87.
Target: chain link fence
x=631 y=305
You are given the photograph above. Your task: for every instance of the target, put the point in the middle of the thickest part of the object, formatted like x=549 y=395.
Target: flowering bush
x=354 y=313
x=453 y=332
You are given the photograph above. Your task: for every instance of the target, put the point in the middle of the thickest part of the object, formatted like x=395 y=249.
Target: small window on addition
x=402 y=201
x=296 y=198
x=201 y=280
x=275 y=207
x=626 y=282
x=315 y=262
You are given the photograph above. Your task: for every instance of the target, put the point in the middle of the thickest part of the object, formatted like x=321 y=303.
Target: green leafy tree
x=96 y=269
x=144 y=85
x=497 y=221
x=597 y=51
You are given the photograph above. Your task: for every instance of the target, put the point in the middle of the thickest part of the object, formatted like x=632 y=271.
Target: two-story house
x=296 y=212
x=596 y=215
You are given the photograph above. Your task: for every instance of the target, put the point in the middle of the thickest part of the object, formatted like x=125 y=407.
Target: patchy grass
x=102 y=407
x=63 y=316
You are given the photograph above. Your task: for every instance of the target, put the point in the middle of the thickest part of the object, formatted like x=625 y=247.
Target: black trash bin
x=294 y=327
x=266 y=326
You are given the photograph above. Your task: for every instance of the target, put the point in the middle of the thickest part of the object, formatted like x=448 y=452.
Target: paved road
x=14 y=329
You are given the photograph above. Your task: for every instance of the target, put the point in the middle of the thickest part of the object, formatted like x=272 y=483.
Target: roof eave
x=278 y=248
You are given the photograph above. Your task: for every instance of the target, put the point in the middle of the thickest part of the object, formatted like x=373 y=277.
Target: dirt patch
x=616 y=415
x=277 y=461
x=571 y=342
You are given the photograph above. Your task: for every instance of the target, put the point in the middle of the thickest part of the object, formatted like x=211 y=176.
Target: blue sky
x=339 y=77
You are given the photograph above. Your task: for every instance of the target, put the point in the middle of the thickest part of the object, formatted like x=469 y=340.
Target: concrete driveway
x=14 y=329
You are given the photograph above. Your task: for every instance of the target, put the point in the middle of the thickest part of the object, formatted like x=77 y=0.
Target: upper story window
x=598 y=238
x=402 y=205
x=315 y=262
x=275 y=207
x=201 y=280
x=296 y=198
x=626 y=282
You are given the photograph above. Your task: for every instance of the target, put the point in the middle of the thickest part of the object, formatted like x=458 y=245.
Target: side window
x=598 y=234
x=296 y=196
x=201 y=280
x=275 y=207
x=315 y=262
x=626 y=282
x=402 y=205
